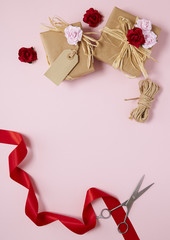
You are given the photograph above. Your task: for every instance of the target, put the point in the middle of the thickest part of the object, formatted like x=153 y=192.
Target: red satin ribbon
x=43 y=218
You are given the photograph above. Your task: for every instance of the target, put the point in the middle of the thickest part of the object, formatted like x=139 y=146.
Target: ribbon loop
x=44 y=218
x=125 y=24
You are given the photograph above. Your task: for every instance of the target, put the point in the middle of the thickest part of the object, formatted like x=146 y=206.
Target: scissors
x=106 y=213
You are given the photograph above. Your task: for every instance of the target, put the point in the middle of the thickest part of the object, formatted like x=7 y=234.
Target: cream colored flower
x=144 y=24
x=150 y=39
x=73 y=34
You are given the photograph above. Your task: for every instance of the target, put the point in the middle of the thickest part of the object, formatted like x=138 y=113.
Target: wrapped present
x=126 y=42
x=69 y=51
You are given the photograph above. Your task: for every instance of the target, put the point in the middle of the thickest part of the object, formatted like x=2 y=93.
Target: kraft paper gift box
x=55 y=43
x=109 y=47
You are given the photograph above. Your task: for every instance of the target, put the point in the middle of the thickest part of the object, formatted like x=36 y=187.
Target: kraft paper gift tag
x=108 y=47
x=62 y=66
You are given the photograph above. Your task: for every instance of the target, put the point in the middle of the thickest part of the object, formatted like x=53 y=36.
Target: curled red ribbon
x=43 y=218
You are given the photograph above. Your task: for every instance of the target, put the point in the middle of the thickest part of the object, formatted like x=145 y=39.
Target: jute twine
x=148 y=90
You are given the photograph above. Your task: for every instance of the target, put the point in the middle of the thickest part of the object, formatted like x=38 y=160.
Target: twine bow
x=148 y=90
x=88 y=43
x=136 y=56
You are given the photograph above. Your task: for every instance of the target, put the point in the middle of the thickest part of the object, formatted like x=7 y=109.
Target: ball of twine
x=148 y=90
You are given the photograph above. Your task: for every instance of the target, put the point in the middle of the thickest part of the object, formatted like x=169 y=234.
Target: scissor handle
x=120 y=224
x=105 y=213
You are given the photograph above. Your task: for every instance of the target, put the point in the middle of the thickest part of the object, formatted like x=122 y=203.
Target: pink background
x=78 y=134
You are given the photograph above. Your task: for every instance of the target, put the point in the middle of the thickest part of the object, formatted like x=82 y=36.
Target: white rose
x=144 y=24
x=150 y=39
x=73 y=34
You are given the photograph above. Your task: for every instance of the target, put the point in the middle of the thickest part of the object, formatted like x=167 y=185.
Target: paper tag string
x=136 y=56
x=88 y=43
x=148 y=90
x=42 y=218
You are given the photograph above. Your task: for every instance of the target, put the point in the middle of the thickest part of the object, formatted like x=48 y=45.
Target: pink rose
x=144 y=24
x=73 y=34
x=150 y=39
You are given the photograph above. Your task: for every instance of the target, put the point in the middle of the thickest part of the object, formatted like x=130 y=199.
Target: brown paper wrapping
x=107 y=52
x=55 y=42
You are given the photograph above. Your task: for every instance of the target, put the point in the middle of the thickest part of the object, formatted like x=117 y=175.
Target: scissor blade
x=143 y=191
x=135 y=192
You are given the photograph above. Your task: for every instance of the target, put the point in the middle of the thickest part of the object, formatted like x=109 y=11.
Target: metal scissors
x=106 y=213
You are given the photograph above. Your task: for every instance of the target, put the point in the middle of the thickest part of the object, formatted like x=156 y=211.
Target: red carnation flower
x=135 y=37
x=92 y=17
x=27 y=54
